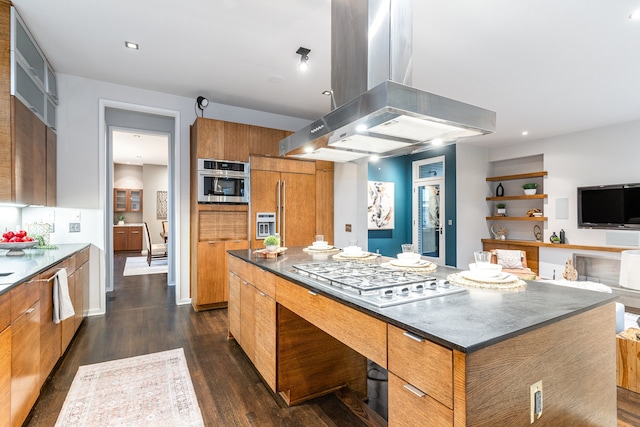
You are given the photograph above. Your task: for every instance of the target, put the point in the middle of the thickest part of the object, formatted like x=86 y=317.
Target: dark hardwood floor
x=142 y=318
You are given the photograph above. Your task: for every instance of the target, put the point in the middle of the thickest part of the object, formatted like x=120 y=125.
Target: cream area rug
x=149 y=390
x=137 y=265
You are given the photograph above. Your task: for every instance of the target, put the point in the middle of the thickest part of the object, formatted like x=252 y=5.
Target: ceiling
x=545 y=66
x=138 y=148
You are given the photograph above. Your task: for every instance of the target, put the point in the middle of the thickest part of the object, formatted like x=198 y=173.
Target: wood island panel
x=498 y=377
x=5 y=376
x=406 y=409
x=365 y=334
x=5 y=310
x=311 y=363
x=265 y=337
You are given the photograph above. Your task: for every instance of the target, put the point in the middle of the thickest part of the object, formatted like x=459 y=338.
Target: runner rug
x=135 y=266
x=149 y=390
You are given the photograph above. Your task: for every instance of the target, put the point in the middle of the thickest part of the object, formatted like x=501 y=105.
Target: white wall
x=81 y=154
x=155 y=178
x=471 y=191
x=350 y=204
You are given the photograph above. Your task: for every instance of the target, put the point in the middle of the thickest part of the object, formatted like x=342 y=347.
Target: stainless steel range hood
x=380 y=113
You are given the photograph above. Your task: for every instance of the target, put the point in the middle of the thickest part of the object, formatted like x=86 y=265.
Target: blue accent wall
x=398 y=171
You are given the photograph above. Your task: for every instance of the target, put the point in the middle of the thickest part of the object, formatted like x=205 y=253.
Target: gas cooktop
x=375 y=285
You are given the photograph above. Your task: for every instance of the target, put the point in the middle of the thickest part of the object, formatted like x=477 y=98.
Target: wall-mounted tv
x=609 y=206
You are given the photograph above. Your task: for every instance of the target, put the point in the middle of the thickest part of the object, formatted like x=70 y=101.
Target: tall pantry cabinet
x=217 y=228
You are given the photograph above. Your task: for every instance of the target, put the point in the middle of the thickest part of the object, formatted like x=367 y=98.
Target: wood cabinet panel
x=223 y=225
x=310 y=362
x=6 y=155
x=82 y=285
x=426 y=365
x=235 y=283
x=207 y=139
x=5 y=376
x=265 y=337
x=127 y=200
x=298 y=210
x=5 y=310
x=29 y=134
x=365 y=334
x=134 y=239
x=211 y=287
x=248 y=319
x=127 y=238
x=52 y=167
x=50 y=333
x=406 y=408
x=324 y=203
x=25 y=363
x=236 y=142
x=265 y=141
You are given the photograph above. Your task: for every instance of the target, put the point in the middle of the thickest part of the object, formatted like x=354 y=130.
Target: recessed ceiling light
x=525 y=132
x=635 y=15
x=131 y=45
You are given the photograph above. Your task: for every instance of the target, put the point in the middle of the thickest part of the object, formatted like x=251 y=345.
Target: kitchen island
x=469 y=358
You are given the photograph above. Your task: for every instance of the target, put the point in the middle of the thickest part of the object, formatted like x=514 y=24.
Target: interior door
x=428 y=209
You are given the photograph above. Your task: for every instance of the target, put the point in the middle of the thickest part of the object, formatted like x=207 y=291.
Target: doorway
x=114 y=114
x=428 y=209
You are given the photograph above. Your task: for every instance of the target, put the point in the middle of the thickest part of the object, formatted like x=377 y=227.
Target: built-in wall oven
x=220 y=181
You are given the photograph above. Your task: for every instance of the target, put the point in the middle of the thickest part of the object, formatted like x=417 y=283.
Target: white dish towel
x=62 y=305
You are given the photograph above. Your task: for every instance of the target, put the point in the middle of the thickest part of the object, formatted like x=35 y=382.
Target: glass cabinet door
x=119 y=200
x=135 y=200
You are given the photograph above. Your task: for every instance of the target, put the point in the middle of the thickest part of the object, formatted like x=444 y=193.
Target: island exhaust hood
x=380 y=113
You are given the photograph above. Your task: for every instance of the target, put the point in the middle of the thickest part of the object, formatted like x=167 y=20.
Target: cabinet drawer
x=5 y=310
x=83 y=255
x=364 y=334
x=262 y=280
x=24 y=296
x=238 y=266
x=409 y=406
x=425 y=365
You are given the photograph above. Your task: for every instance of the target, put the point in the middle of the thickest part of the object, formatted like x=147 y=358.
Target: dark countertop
x=34 y=261
x=466 y=321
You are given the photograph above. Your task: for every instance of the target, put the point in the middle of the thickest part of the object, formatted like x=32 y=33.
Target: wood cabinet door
x=207 y=139
x=50 y=333
x=68 y=326
x=30 y=156
x=25 y=363
x=265 y=337
x=5 y=376
x=236 y=142
x=119 y=199
x=134 y=238
x=324 y=204
x=248 y=319
x=265 y=141
x=264 y=197
x=298 y=209
x=134 y=200
x=120 y=239
x=82 y=285
x=211 y=283
x=52 y=167
x=235 y=283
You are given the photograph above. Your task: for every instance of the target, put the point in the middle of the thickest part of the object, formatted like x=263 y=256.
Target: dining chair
x=154 y=250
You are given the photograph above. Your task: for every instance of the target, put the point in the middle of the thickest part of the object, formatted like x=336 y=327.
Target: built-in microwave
x=220 y=181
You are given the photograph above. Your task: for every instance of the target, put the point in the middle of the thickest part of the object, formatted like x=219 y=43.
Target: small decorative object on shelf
x=501 y=209
x=569 y=272
x=535 y=212
x=120 y=219
x=499 y=190
x=499 y=232
x=554 y=238
x=537 y=233
x=562 y=236
x=530 y=188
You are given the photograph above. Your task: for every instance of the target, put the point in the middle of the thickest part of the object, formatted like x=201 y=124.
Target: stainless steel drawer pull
x=244 y=282
x=262 y=294
x=415 y=390
x=30 y=310
x=413 y=337
x=313 y=293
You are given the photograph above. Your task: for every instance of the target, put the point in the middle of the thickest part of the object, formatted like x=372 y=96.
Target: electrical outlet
x=536 y=401
x=74 y=227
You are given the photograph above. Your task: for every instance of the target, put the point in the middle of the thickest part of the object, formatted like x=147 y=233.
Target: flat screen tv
x=609 y=206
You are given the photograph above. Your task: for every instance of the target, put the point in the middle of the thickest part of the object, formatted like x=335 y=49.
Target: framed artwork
x=380 y=206
x=161 y=205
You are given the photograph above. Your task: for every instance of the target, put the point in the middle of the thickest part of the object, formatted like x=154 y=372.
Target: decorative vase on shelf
x=499 y=190
x=121 y=222
x=530 y=188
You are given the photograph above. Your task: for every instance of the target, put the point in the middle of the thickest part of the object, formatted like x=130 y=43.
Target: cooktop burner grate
x=374 y=284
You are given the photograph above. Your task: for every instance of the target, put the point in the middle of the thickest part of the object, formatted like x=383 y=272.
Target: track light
x=333 y=99
x=303 y=52
x=202 y=103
